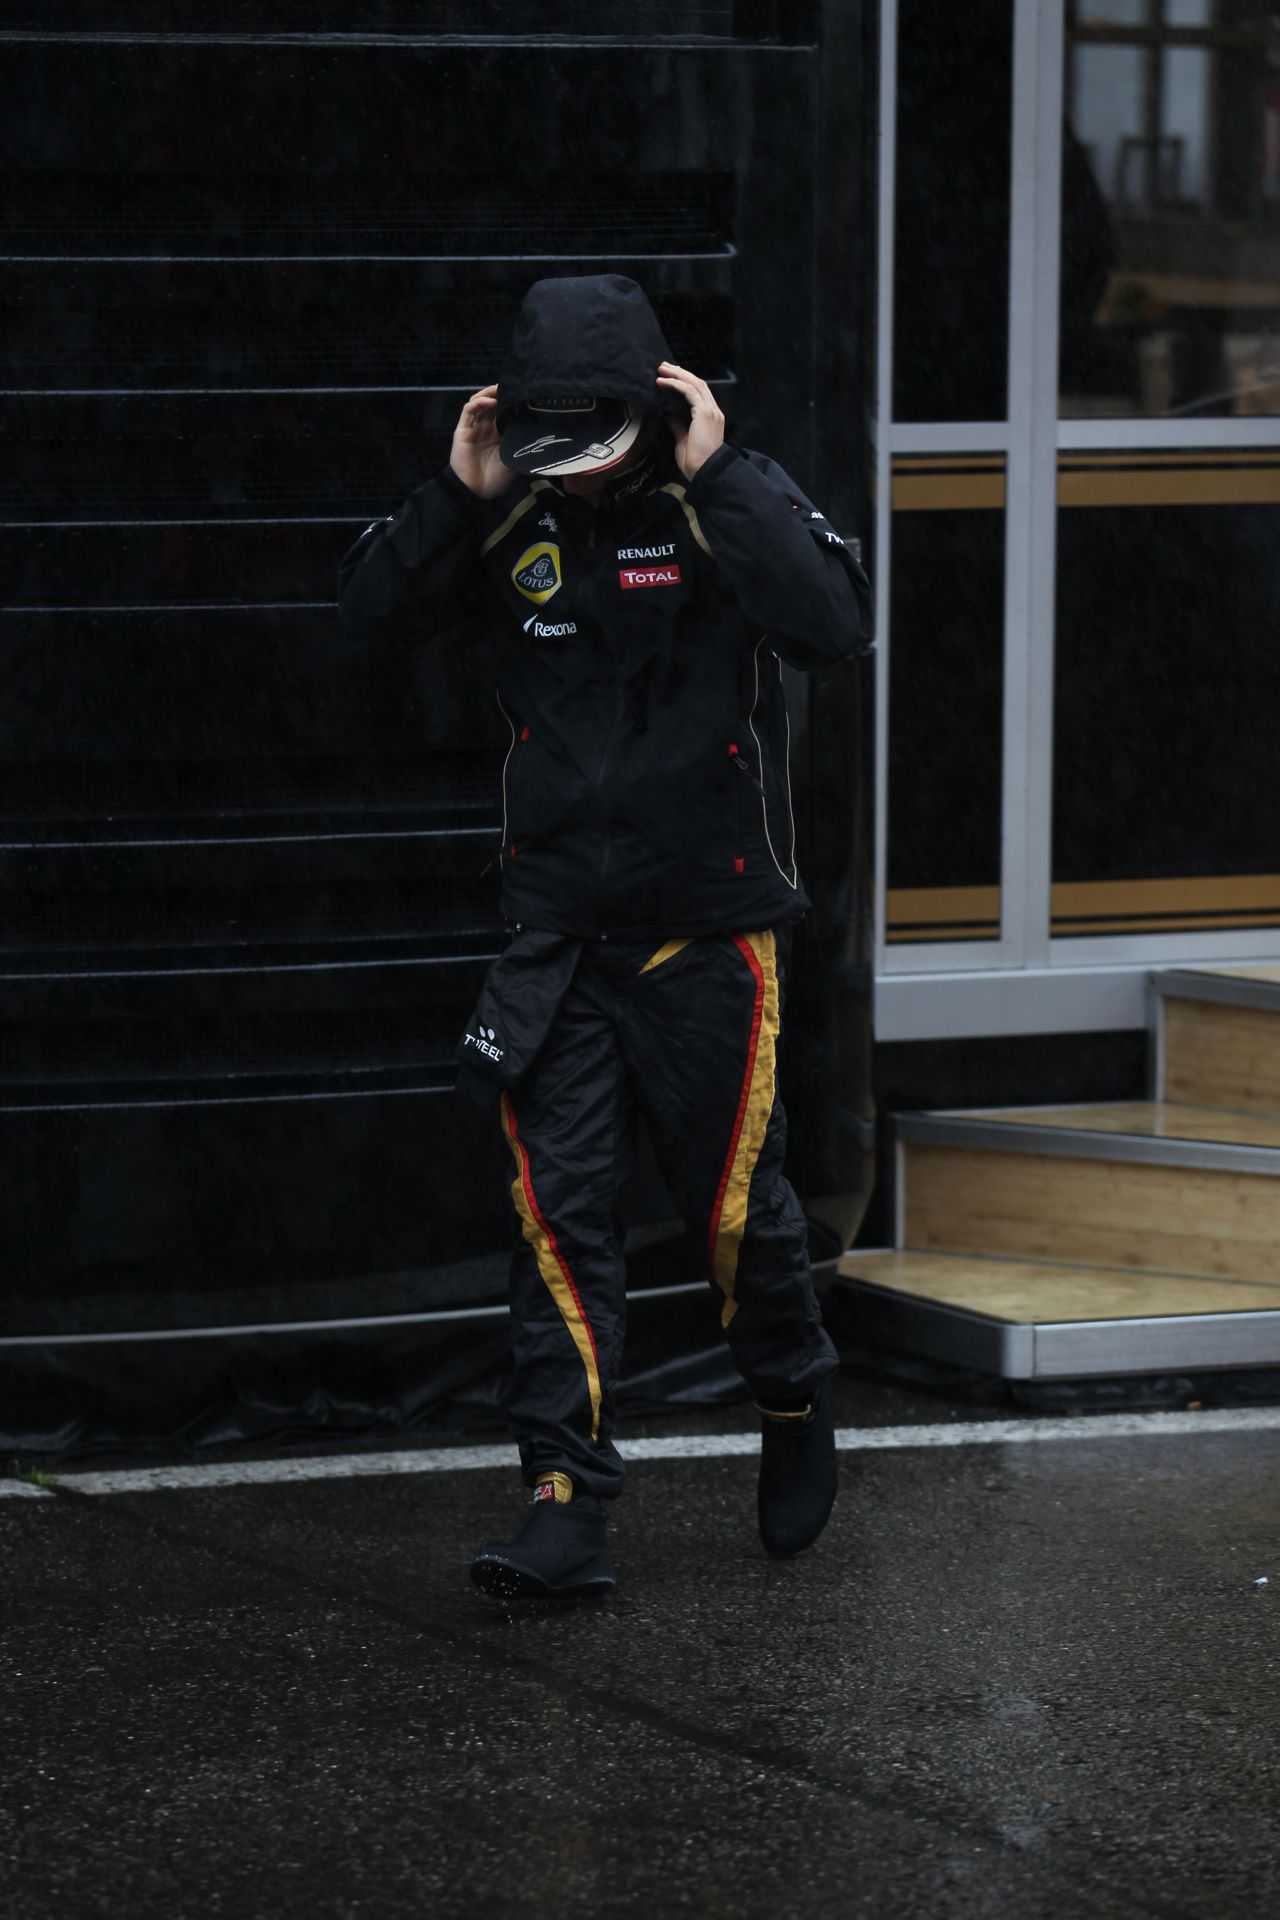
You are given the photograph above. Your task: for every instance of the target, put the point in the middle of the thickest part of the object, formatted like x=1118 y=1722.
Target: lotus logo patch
x=536 y=574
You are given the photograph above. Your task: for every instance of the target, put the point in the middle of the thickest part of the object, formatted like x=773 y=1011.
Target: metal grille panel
x=258 y=250
x=175 y=20
x=219 y=331
x=121 y=918
x=352 y=1040
x=343 y=214
x=446 y=784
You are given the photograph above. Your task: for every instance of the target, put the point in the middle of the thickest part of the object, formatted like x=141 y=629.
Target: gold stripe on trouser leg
x=695 y=525
x=729 y=1216
x=517 y=513
x=551 y=1263
x=667 y=952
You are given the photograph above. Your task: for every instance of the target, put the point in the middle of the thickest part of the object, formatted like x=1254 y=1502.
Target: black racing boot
x=559 y=1552
x=797 y=1472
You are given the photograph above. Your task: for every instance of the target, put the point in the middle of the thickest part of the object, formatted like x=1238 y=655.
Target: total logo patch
x=668 y=576
x=536 y=574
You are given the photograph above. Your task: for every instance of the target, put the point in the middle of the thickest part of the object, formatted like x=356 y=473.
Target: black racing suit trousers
x=687 y=1035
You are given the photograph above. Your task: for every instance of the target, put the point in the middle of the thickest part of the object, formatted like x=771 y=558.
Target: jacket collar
x=638 y=483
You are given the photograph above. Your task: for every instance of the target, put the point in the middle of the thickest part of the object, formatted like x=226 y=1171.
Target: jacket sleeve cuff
x=704 y=480
x=460 y=493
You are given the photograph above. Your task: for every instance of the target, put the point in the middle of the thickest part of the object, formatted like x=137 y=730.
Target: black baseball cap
x=566 y=433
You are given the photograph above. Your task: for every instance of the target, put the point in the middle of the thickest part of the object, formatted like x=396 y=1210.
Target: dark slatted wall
x=256 y=256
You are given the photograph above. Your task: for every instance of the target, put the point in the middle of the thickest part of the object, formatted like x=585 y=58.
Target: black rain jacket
x=646 y=789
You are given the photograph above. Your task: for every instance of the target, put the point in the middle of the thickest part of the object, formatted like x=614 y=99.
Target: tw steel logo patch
x=536 y=574
x=668 y=576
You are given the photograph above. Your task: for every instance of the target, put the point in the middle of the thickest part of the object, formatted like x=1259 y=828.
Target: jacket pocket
x=747 y=792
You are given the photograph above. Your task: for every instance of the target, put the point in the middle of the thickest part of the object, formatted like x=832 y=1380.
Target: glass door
x=1080 y=368
x=1167 y=682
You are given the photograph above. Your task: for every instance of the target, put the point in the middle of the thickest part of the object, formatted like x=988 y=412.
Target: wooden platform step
x=1217 y=1037
x=1140 y=1186
x=1042 y=1320
x=1149 y=1120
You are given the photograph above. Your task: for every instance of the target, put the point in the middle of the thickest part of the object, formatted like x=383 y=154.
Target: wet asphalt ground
x=1009 y=1681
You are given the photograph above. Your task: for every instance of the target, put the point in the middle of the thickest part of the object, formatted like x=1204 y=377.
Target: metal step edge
x=1070 y=1143
x=636 y=1297
x=166 y=963
x=846 y=1265
x=1183 y=983
x=1064 y=1350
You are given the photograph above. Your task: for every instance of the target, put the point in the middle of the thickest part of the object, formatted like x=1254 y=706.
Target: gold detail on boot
x=561 y=1482
x=786 y=1413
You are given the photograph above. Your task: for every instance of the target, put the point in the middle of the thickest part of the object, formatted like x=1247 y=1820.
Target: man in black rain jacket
x=645 y=580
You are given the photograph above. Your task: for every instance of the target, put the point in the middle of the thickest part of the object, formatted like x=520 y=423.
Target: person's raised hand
x=698 y=440
x=474 y=456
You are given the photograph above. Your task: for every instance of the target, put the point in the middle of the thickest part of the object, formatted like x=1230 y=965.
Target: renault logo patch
x=536 y=574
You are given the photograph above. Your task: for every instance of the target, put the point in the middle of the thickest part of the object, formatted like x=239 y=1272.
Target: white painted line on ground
x=1085 y=1426
x=258 y=1473
x=22 y=1490
x=679 y=1446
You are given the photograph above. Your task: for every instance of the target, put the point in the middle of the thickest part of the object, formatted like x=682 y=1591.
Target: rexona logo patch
x=549 y=629
x=536 y=574
x=649 y=576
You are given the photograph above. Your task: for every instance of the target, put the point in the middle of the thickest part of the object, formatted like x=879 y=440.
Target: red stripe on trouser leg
x=536 y=1211
x=552 y=1264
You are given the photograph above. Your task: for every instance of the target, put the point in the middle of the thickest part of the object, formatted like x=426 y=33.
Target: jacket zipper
x=607 y=823
x=792 y=879
x=510 y=750
x=744 y=766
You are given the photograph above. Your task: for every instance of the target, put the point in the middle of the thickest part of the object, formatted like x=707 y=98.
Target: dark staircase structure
x=255 y=258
